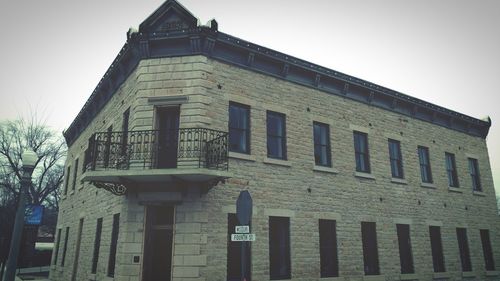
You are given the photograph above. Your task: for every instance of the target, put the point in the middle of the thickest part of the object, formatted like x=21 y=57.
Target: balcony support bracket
x=117 y=188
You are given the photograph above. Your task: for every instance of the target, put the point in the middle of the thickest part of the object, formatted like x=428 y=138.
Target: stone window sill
x=468 y=274
x=399 y=181
x=72 y=192
x=374 y=278
x=242 y=156
x=408 y=276
x=441 y=275
x=332 y=278
x=428 y=185
x=364 y=175
x=454 y=189
x=492 y=273
x=279 y=162
x=324 y=169
x=478 y=193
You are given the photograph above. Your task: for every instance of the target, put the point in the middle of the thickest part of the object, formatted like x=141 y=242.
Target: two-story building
x=349 y=180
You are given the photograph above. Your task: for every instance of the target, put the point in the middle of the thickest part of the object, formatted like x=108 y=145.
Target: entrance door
x=158 y=243
x=168 y=125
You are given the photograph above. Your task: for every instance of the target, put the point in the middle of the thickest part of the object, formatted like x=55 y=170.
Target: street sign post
x=244 y=215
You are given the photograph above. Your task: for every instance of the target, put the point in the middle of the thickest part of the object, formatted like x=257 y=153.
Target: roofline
x=223 y=47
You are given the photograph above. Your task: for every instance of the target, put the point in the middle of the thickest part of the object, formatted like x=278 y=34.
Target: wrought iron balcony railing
x=158 y=149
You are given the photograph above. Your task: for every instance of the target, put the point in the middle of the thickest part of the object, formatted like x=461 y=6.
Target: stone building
x=349 y=180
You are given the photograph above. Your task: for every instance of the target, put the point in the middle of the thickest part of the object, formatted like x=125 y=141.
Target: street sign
x=242 y=229
x=244 y=207
x=243 y=237
x=33 y=214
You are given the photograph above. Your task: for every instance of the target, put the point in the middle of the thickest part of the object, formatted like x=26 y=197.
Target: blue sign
x=33 y=214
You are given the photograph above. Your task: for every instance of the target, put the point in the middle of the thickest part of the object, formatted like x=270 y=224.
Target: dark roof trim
x=169 y=32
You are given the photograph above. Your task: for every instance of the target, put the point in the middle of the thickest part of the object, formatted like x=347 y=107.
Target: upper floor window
x=66 y=183
x=474 y=173
x=75 y=174
x=396 y=159
x=276 y=135
x=425 y=164
x=322 y=154
x=451 y=169
x=361 y=152
x=239 y=128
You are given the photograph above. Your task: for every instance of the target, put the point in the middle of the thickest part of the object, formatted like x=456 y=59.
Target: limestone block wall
x=294 y=188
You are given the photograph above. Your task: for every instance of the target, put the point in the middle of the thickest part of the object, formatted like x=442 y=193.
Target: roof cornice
x=185 y=39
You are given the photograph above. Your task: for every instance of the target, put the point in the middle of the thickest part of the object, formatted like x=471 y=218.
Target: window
x=276 y=135
x=126 y=116
x=489 y=262
x=370 y=250
x=474 y=174
x=361 y=152
x=328 y=248
x=58 y=241
x=112 y=247
x=425 y=164
x=463 y=247
x=239 y=128
x=405 y=253
x=65 y=247
x=107 y=147
x=279 y=248
x=437 y=249
x=97 y=245
x=75 y=174
x=322 y=151
x=396 y=159
x=451 y=169
x=66 y=183
x=234 y=253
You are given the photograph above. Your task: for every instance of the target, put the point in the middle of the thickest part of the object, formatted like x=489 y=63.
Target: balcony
x=119 y=161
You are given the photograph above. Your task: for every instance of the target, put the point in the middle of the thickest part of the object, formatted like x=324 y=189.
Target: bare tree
x=15 y=137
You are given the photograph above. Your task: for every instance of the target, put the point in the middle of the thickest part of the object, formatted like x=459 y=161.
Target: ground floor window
x=234 y=253
x=437 y=249
x=279 y=248
x=489 y=262
x=405 y=254
x=328 y=248
x=370 y=250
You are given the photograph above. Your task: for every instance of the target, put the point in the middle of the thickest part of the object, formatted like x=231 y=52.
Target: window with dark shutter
x=437 y=248
x=489 y=262
x=58 y=244
x=463 y=246
x=405 y=253
x=234 y=253
x=370 y=249
x=97 y=245
x=112 y=247
x=67 y=176
x=65 y=247
x=279 y=248
x=75 y=174
x=328 y=248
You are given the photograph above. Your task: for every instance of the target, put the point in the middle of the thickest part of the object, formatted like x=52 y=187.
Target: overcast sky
x=54 y=52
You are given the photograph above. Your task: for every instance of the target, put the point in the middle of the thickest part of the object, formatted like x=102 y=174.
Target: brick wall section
x=281 y=187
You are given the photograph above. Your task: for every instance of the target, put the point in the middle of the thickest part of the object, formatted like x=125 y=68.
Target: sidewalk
x=33 y=273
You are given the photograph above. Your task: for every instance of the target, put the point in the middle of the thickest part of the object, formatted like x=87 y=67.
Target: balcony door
x=167 y=124
x=158 y=243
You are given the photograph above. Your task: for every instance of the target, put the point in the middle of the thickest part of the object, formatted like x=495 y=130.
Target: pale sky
x=54 y=52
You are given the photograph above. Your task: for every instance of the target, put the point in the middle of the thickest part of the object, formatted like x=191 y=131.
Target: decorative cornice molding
x=208 y=41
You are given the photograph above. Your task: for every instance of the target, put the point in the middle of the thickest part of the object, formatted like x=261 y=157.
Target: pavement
x=33 y=273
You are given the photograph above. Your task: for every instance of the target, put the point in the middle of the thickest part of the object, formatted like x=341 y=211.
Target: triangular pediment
x=170 y=16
